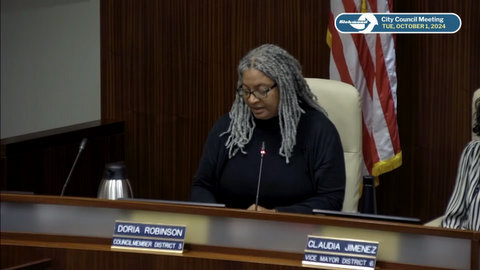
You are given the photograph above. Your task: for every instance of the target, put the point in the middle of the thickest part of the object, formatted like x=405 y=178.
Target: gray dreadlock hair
x=284 y=69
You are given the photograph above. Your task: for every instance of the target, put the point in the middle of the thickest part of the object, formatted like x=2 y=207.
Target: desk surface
x=278 y=236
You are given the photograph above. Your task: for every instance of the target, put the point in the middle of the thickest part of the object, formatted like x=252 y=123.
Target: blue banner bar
x=413 y=23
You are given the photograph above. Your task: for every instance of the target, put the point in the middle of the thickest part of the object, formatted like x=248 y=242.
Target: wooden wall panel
x=169 y=71
x=40 y=162
x=437 y=75
x=65 y=257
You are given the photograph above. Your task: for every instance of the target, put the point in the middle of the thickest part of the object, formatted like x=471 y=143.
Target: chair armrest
x=437 y=222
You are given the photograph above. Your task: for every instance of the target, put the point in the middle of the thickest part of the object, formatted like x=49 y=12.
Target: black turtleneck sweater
x=313 y=179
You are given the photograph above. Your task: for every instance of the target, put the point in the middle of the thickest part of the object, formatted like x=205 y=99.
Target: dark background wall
x=169 y=70
x=437 y=75
x=40 y=162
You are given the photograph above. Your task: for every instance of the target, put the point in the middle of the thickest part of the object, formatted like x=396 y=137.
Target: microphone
x=82 y=146
x=262 y=153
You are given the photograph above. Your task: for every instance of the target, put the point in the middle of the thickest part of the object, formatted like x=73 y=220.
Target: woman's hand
x=261 y=209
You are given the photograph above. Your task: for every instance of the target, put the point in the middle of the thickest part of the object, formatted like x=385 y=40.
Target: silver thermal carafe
x=115 y=184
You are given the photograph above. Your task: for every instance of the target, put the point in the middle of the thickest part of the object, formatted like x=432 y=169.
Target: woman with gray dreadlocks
x=275 y=121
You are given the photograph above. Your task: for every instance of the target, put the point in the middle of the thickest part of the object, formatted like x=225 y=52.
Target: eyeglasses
x=245 y=93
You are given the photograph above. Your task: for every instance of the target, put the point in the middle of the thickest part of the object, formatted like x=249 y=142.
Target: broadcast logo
x=365 y=23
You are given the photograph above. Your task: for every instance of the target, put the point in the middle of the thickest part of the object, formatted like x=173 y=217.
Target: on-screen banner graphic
x=398 y=23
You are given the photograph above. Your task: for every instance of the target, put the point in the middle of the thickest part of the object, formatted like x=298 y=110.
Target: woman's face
x=262 y=107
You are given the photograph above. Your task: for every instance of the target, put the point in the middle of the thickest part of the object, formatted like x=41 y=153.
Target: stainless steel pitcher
x=115 y=184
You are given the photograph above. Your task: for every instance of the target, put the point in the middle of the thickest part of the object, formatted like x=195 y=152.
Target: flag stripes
x=367 y=61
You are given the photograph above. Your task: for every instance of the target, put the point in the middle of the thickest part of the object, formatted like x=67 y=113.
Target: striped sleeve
x=463 y=210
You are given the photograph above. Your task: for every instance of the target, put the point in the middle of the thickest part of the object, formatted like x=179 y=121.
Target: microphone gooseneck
x=262 y=153
x=80 y=149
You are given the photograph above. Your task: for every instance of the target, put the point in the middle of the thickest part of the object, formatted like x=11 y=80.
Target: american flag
x=367 y=61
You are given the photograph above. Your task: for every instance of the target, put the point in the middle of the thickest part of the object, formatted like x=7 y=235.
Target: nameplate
x=148 y=237
x=340 y=253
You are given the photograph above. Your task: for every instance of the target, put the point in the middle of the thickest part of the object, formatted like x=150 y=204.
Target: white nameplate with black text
x=148 y=237
x=340 y=253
